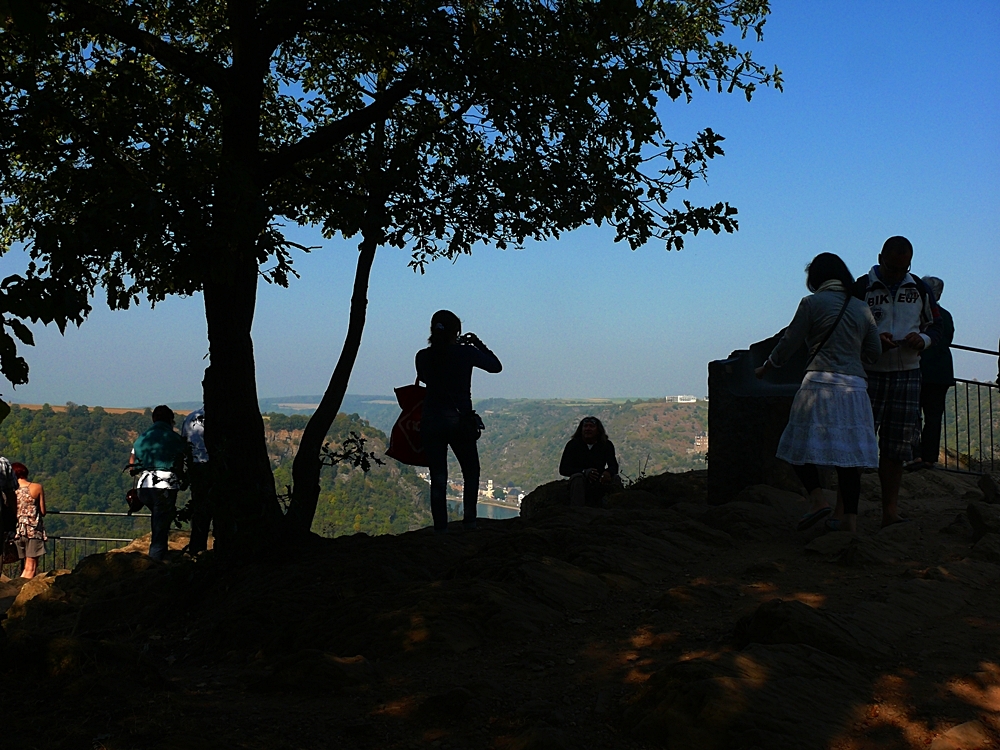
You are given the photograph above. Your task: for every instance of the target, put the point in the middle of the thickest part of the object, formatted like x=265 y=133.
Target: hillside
x=390 y=499
x=659 y=623
x=79 y=455
x=524 y=439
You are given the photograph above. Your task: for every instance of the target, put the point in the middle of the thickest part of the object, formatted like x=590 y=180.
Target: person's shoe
x=809 y=519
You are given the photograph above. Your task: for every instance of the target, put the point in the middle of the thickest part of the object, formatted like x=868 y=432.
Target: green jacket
x=160 y=447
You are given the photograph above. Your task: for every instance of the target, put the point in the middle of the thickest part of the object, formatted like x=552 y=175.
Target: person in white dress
x=831 y=420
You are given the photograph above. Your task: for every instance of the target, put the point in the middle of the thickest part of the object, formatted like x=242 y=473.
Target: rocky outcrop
x=649 y=493
x=783 y=697
x=985 y=519
x=990 y=485
x=665 y=623
x=794 y=623
x=545 y=496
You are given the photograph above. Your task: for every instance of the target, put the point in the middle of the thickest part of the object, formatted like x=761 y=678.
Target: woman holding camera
x=448 y=419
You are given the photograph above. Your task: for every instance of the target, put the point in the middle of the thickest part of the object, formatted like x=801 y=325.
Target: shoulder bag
x=405 y=443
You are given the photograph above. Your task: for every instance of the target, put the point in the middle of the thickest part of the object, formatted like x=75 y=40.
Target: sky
x=889 y=123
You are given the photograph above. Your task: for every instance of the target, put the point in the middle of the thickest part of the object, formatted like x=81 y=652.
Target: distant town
x=489 y=493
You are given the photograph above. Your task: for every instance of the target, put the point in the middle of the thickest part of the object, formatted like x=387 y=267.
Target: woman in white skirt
x=831 y=419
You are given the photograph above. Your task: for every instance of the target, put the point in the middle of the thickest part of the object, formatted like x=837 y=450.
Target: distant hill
x=378 y=411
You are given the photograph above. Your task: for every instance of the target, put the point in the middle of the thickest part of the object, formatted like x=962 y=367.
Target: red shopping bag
x=405 y=444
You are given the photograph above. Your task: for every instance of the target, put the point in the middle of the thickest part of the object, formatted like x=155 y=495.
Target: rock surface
x=990 y=485
x=660 y=622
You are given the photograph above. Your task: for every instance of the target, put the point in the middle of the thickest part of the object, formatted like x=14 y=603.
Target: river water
x=484 y=511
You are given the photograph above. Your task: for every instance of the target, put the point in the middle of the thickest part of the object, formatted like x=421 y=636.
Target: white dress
x=831 y=423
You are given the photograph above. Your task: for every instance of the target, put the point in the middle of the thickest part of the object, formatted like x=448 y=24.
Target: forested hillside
x=79 y=455
x=390 y=499
x=524 y=439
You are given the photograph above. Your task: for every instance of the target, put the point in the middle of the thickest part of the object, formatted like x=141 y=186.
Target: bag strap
x=847 y=301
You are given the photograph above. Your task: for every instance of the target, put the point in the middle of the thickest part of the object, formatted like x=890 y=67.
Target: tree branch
x=196 y=67
x=324 y=138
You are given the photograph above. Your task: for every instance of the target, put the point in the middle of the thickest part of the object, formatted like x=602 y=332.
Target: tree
x=152 y=148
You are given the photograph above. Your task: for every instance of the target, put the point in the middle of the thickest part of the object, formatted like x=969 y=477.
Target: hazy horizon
x=307 y=399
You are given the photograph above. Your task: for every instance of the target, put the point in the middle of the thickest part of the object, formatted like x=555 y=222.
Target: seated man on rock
x=589 y=462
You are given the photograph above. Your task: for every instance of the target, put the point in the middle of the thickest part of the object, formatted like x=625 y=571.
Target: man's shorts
x=895 y=398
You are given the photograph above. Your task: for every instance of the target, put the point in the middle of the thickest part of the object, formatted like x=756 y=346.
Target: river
x=485 y=511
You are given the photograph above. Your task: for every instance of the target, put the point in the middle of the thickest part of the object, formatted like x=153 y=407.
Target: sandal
x=809 y=519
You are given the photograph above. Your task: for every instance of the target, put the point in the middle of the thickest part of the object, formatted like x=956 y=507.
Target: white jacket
x=910 y=309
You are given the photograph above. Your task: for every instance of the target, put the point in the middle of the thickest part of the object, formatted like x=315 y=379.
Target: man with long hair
x=590 y=463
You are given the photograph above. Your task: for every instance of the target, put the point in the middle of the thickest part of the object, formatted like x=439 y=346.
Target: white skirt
x=831 y=423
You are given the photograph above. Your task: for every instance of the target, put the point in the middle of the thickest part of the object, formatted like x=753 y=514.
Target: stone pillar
x=746 y=417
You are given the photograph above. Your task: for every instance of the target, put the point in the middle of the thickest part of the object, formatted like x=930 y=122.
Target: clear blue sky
x=889 y=124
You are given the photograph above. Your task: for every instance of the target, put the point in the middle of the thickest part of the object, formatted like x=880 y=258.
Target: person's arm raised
x=486 y=359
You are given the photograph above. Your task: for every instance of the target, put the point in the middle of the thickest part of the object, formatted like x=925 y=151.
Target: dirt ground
x=660 y=622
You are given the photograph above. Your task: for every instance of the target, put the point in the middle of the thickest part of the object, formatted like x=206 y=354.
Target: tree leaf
x=22 y=331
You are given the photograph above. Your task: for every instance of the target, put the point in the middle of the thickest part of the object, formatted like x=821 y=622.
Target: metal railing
x=64 y=551
x=970 y=434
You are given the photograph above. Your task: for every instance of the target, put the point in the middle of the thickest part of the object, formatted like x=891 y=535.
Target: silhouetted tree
x=153 y=147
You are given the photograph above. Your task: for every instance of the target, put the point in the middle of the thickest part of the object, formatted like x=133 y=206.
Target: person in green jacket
x=159 y=452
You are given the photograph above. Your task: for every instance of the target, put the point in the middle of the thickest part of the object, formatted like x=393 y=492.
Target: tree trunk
x=306 y=467
x=247 y=509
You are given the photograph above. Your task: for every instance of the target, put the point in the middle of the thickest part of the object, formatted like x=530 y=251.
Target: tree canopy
x=498 y=121
x=151 y=148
